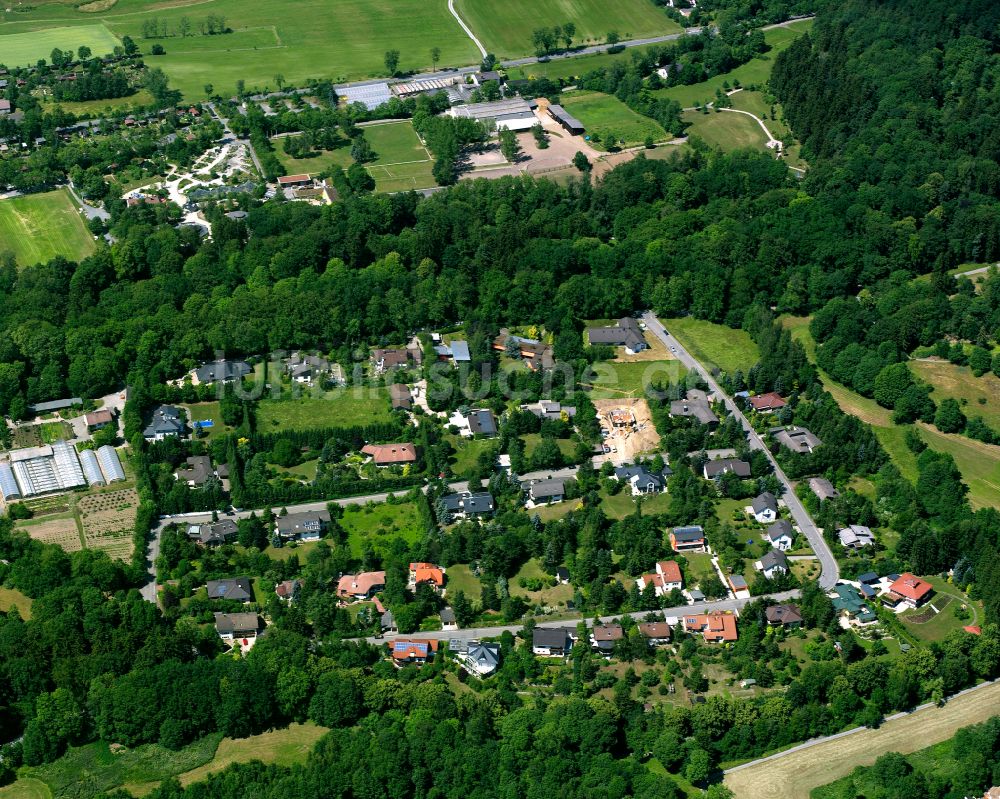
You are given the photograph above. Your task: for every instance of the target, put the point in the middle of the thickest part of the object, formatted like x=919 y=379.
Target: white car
x=673 y=349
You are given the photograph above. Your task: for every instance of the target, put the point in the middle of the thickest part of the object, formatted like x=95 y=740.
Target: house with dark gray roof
x=549 y=411
x=547 y=491
x=772 y=564
x=713 y=470
x=239 y=589
x=765 y=507
x=642 y=480
x=823 y=488
x=400 y=395
x=304 y=526
x=222 y=371
x=480 y=658
x=696 y=406
x=466 y=504
x=780 y=535
x=166 y=423
x=551 y=641
x=217 y=533
x=624 y=333
x=783 y=616
x=482 y=422
x=796 y=439
x=236 y=625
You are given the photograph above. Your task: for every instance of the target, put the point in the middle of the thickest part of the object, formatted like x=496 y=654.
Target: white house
x=774 y=563
x=780 y=535
x=765 y=508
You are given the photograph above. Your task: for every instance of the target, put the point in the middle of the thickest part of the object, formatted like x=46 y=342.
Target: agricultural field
x=38 y=227
x=795 y=774
x=344 y=408
x=60 y=530
x=978 y=396
x=108 y=521
x=725 y=130
x=24 y=49
x=609 y=118
x=573 y=67
x=35 y=435
x=509 y=34
x=714 y=345
x=753 y=73
x=378 y=524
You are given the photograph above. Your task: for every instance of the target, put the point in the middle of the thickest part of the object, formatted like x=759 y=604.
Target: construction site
x=627 y=428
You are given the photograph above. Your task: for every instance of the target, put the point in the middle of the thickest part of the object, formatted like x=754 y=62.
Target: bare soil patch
x=630 y=440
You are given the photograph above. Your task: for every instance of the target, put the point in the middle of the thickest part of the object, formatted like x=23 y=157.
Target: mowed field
x=725 y=130
x=753 y=72
x=794 y=775
x=978 y=396
x=299 y=39
x=347 y=408
x=506 y=30
x=608 y=117
x=714 y=345
x=24 y=49
x=402 y=162
x=38 y=227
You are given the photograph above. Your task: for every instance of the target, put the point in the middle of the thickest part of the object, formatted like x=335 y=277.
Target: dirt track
x=795 y=774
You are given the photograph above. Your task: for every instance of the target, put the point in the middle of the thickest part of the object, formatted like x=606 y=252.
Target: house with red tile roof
x=908 y=590
x=666 y=578
x=360 y=586
x=715 y=627
x=767 y=403
x=426 y=573
x=390 y=454
x=409 y=650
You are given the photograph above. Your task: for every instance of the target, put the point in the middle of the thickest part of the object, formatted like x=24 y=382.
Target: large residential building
x=713 y=470
x=551 y=641
x=304 y=526
x=767 y=403
x=547 y=491
x=696 y=406
x=625 y=333
x=231 y=626
x=222 y=371
x=716 y=627
x=856 y=536
x=664 y=579
x=642 y=480
x=823 y=488
x=239 y=589
x=410 y=650
x=166 y=423
x=550 y=411
x=466 y=504
x=360 y=586
x=390 y=454
x=908 y=590
x=217 y=533
x=796 y=439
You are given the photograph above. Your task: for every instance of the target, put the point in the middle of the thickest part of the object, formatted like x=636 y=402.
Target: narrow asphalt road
x=829 y=571
x=491 y=632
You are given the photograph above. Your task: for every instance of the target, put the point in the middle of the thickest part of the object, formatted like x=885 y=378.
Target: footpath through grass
x=38 y=227
x=725 y=130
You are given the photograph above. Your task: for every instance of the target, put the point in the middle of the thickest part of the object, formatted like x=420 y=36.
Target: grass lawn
x=208 y=411
x=467 y=453
x=978 y=396
x=281 y=747
x=26 y=788
x=532 y=440
x=714 y=345
x=555 y=511
x=616 y=380
x=300 y=548
x=24 y=49
x=622 y=504
x=755 y=103
x=509 y=33
x=460 y=578
x=38 y=227
x=301 y=39
x=12 y=598
x=304 y=471
x=796 y=774
x=532 y=569
x=609 y=118
x=699 y=568
x=341 y=408
x=97 y=108
x=755 y=72
x=401 y=162
x=573 y=67
x=725 y=130
x=379 y=524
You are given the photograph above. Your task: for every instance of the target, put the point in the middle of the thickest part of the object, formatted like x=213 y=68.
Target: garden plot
x=62 y=532
x=108 y=520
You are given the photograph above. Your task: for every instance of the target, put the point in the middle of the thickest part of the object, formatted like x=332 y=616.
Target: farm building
x=370 y=96
x=107 y=457
x=91 y=468
x=40 y=470
x=99 y=419
x=286 y=181
x=569 y=122
x=55 y=405
x=510 y=114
